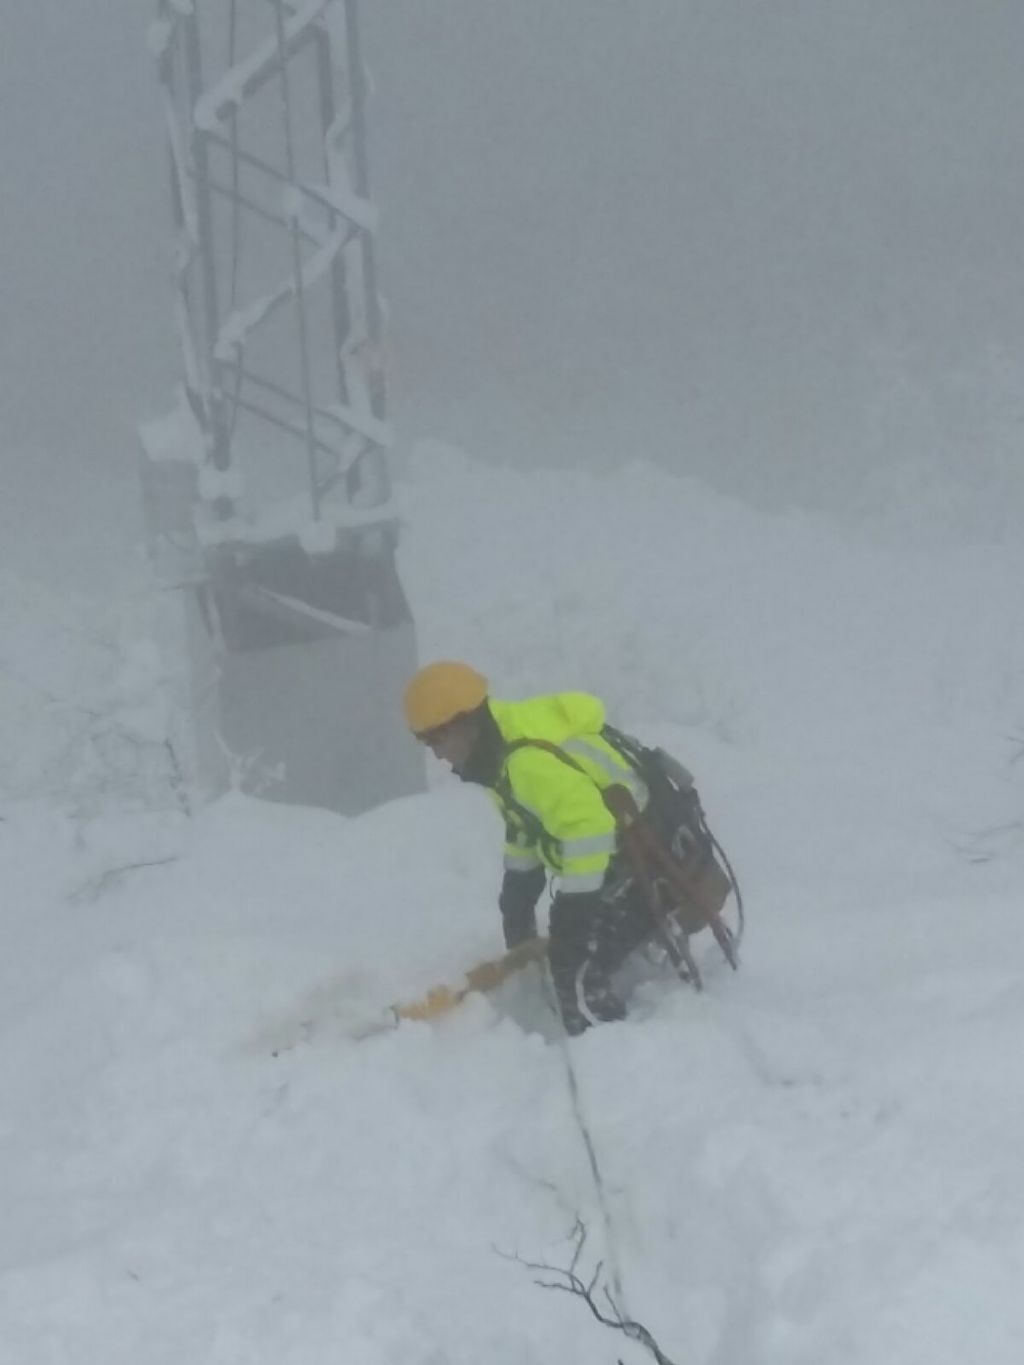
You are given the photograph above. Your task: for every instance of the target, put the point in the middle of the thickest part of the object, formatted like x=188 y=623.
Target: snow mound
x=816 y=1160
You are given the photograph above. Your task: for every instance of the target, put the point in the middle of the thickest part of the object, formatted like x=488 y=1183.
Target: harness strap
x=643 y=848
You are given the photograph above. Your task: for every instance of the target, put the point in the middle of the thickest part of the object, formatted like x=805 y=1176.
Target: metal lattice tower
x=279 y=500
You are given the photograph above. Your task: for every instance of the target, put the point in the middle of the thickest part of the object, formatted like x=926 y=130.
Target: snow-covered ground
x=817 y=1160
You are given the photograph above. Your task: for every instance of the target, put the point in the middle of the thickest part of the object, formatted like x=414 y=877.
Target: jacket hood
x=562 y=716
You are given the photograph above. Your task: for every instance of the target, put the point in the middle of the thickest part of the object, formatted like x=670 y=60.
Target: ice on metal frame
x=228 y=92
x=237 y=327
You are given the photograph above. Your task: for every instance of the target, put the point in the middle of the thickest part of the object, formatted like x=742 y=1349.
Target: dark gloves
x=520 y=926
x=520 y=892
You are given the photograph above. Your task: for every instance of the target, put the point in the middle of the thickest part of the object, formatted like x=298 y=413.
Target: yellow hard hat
x=440 y=692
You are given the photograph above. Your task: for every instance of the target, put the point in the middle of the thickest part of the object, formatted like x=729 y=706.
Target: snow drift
x=816 y=1160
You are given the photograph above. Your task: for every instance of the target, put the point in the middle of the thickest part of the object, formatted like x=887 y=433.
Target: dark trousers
x=592 y=935
x=590 y=938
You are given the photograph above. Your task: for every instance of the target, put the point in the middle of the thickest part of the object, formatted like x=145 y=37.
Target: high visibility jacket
x=554 y=814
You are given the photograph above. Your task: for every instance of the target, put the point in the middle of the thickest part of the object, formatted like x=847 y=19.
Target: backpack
x=682 y=869
x=705 y=876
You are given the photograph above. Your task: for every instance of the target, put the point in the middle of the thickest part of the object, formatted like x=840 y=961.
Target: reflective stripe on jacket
x=554 y=814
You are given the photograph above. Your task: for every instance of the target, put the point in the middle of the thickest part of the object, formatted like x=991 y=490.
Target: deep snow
x=816 y=1160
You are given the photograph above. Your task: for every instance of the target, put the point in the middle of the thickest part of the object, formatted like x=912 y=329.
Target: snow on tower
x=267 y=490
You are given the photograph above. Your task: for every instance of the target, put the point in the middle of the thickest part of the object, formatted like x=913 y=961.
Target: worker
x=546 y=762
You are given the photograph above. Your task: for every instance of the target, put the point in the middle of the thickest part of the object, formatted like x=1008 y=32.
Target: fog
x=774 y=245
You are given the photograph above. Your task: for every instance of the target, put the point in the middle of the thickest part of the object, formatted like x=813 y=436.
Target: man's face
x=453 y=743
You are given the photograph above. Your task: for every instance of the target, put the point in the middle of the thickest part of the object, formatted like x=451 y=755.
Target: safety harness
x=690 y=890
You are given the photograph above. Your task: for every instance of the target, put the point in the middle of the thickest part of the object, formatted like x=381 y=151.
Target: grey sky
x=696 y=230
